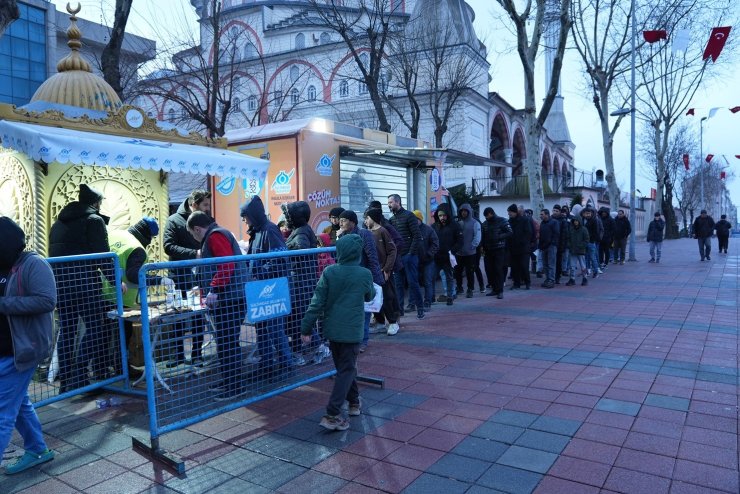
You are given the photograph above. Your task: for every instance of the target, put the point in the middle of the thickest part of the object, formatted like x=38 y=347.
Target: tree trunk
x=671 y=230
x=8 y=13
x=534 y=167
x=111 y=58
x=608 y=144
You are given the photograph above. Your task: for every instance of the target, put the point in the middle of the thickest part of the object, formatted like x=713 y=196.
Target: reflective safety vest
x=123 y=244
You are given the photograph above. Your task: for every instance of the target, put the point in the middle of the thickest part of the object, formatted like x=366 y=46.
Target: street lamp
x=701 y=161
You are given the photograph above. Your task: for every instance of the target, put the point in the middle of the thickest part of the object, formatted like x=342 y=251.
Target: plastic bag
x=375 y=304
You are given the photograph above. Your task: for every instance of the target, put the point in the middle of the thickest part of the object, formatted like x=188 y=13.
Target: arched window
x=250 y=51
x=324 y=38
x=252 y=103
x=311 y=93
x=294 y=73
x=235 y=103
x=171 y=115
x=361 y=87
x=234 y=32
x=343 y=89
x=294 y=96
x=277 y=98
x=150 y=114
x=300 y=41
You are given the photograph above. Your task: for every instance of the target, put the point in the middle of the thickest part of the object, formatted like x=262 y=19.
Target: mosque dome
x=75 y=84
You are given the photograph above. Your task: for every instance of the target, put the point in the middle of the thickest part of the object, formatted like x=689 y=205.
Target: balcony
x=519 y=185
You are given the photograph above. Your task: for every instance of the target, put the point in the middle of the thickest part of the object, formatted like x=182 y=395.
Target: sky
x=720 y=135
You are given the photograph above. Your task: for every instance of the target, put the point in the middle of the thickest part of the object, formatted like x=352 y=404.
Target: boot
x=584 y=282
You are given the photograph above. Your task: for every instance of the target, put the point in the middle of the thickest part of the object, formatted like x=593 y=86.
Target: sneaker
x=354 y=409
x=500 y=295
x=393 y=328
x=420 y=314
x=174 y=363
x=442 y=298
x=482 y=290
x=427 y=306
x=363 y=347
x=515 y=287
x=298 y=360
x=469 y=294
x=197 y=362
x=217 y=387
x=230 y=395
x=621 y=262
x=29 y=460
x=709 y=258
x=334 y=423
x=652 y=259
x=584 y=282
x=491 y=294
x=600 y=271
x=410 y=307
x=322 y=353
x=449 y=301
x=571 y=282
x=377 y=328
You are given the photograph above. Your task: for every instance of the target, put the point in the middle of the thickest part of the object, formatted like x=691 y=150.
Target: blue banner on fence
x=267 y=299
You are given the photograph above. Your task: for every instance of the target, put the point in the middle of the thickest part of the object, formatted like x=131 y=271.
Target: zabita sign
x=267 y=299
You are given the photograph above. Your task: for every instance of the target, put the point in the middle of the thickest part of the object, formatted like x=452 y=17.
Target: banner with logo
x=267 y=299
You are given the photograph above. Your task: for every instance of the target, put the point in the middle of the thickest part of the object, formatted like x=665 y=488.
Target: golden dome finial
x=73 y=61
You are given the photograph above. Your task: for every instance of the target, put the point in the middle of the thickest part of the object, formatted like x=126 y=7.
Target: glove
x=212 y=300
x=167 y=283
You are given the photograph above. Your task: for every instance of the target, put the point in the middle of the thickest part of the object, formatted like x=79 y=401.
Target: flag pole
x=633 y=215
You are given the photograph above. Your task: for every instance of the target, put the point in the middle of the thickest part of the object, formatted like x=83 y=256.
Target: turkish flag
x=690 y=112
x=735 y=109
x=716 y=42
x=710 y=157
x=722 y=175
x=654 y=36
x=737 y=156
x=686 y=161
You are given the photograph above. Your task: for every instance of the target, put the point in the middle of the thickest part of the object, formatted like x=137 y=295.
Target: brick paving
x=627 y=385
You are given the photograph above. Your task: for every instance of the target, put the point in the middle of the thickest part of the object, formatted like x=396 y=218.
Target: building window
x=294 y=96
x=343 y=89
x=324 y=38
x=361 y=87
x=250 y=51
x=252 y=103
x=183 y=113
x=311 y=93
x=23 y=56
x=300 y=41
x=383 y=82
x=150 y=114
x=235 y=103
x=171 y=115
x=234 y=31
x=294 y=73
x=236 y=82
x=277 y=98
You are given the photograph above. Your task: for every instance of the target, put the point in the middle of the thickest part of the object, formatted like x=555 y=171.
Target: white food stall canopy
x=54 y=144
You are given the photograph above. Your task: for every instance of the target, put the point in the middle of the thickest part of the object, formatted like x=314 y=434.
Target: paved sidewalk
x=627 y=385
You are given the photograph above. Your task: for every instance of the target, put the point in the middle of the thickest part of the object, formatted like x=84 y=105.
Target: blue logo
x=435 y=180
x=281 y=184
x=267 y=299
x=324 y=166
x=226 y=186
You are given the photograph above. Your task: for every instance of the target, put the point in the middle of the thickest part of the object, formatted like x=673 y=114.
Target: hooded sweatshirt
x=470 y=232
x=449 y=235
x=27 y=302
x=340 y=295
x=302 y=236
x=265 y=237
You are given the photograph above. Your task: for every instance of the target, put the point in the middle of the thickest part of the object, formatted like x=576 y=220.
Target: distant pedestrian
x=408 y=226
x=387 y=253
x=561 y=260
x=549 y=236
x=28 y=294
x=450 y=241
x=655 y=237
x=703 y=229
x=466 y=256
x=519 y=246
x=723 y=227
x=338 y=300
x=496 y=230
x=592 y=223
x=578 y=240
x=622 y=230
x=430 y=247
x=607 y=237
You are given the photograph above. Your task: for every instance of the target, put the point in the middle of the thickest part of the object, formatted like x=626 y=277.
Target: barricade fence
x=88 y=345
x=220 y=333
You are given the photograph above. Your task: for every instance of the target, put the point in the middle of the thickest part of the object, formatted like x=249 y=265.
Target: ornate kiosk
x=76 y=130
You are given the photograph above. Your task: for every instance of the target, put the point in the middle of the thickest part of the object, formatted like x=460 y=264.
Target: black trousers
x=723 y=241
x=520 y=268
x=345 y=382
x=466 y=264
x=390 y=310
x=494 y=264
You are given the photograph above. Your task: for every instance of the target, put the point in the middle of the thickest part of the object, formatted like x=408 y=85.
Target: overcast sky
x=721 y=133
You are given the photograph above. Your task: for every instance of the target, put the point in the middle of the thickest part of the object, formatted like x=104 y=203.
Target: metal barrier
x=89 y=349
x=244 y=345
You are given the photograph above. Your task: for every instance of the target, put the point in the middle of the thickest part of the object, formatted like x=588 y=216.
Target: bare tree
x=8 y=13
x=529 y=26
x=670 y=79
x=366 y=27
x=111 y=57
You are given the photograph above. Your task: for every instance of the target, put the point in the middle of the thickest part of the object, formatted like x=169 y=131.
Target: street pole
x=633 y=215
x=701 y=162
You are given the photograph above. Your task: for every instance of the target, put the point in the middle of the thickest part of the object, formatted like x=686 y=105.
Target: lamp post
x=701 y=160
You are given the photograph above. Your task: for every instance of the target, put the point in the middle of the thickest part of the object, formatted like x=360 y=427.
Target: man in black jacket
x=549 y=235
x=703 y=228
x=519 y=245
x=562 y=254
x=622 y=230
x=723 y=228
x=180 y=245
x=607 y=238
x=450 y=239
x=592 y=223
x=430 y=243
x=496 y=230
x=655 y=237
x=408 y=227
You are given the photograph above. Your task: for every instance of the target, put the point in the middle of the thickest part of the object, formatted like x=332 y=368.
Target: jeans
x=565 y=262
x=345 y=382
x=448 y=280
x=227 y=319
x=577 y=261
x=705 y=246
x=410 y=273
x=592 y=261
x=16 y=409
x=540 y=256
x=655 y=246
x=366 y=329
x=428 y=272
x=549 y=259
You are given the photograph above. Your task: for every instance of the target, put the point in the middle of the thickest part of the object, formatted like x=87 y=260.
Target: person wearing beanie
x=81 y=229
x=495 y=232
x=276 y=360
x=519 y=247
x=387 y=253
x=429 y=249
x=407 y=225
x=332 y=229
x=723 y=228
x=179 y=245
x=622 y=230
x=28 y=294
x=703 y=229
x=655 y=237
x=369 y=259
